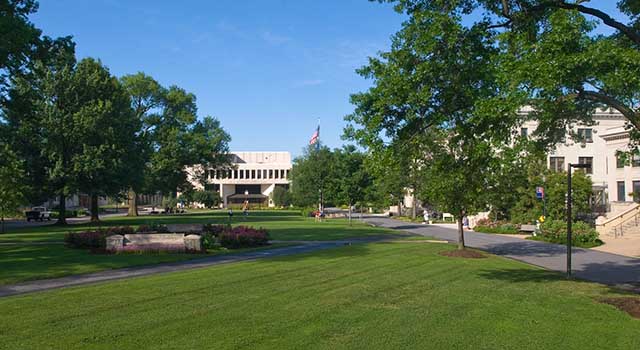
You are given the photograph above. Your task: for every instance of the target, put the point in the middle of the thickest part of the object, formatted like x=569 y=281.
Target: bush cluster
x=501 y=227
x=154 y=227
x=582 y=235
x=243 y=237
x=95 y=239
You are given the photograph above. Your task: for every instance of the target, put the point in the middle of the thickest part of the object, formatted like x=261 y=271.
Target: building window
x=635 y=161
x=619 y=162
x=556 y=163
x=524 y=132
x=589 y=161
x=585 y=135
x=621 y=192
x=276 y=173
x=636 y=190
x=287 y=173
x=271 y=173
x=253 y=174
x=235 y=174
x=259 y=174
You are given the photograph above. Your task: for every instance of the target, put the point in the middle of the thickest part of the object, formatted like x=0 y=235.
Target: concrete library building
x=252 y=177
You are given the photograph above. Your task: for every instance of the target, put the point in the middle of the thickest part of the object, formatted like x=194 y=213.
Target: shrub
x=119 y=230
x=86 y=239
x=94 y=239
x=160 y=228
x=212 y=229
x=582 y=235
x=244 y=237
x=143 y=229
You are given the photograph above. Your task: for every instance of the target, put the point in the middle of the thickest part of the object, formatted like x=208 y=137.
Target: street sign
x=540 y=192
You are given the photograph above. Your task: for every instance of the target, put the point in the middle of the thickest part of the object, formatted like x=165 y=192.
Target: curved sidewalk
x=587 y=264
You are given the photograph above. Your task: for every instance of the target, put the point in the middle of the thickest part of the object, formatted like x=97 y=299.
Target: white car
x=38 y=214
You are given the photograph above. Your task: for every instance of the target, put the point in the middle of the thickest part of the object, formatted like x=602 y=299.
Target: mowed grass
x=366 y=296
x=31 y=262
x=282 y=225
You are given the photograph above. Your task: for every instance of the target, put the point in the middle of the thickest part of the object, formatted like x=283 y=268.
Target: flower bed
x=243 y=237
x=95 y=239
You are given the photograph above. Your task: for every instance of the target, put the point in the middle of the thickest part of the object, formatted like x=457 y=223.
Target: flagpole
x=320 y=204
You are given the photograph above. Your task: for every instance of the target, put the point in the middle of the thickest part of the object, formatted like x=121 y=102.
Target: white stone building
x=613 y=181
x=252 y=176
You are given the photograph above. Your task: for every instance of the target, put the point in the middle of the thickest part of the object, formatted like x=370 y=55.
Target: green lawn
x=282 y=225
x=30 y=262
x=369 y=296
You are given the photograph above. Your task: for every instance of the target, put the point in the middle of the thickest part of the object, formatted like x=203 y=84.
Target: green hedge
x=499 y=228
x=582 y=235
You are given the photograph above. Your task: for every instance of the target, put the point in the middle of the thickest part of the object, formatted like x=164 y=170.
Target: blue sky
x=267 y=69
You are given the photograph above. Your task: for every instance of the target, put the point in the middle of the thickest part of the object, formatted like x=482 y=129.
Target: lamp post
x=544 y=198
x=569 y=214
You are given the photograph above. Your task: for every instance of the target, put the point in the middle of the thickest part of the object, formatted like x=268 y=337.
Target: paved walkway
x=587 y=264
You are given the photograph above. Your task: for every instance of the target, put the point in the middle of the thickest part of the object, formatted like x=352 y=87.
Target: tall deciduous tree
x=551 y=52
x=11 y=186
x=79 y=121
x=105 y=132
x=435 y=102
x=353 y=181
x=312 y=177
x=146 y=99
x=172 y=138
x=20 y=38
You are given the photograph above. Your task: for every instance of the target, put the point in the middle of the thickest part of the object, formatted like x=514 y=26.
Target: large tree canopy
x=549 y=50
x=172 y=138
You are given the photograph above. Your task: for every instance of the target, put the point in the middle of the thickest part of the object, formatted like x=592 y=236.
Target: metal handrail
x=620 y=226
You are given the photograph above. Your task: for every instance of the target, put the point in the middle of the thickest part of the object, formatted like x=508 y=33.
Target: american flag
x=315 y=136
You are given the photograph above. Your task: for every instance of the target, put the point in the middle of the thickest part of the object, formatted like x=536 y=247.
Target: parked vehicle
x=38 y=214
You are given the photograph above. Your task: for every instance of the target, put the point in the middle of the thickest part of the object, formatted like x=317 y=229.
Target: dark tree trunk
x=460 y=232
x=132 y=200
x=413 y=207
x=62 y=211
x=95 y=217
x=2 y=219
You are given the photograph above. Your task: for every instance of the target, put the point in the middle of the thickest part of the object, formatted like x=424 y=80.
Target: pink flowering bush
x=95 y=239
x=243 y=237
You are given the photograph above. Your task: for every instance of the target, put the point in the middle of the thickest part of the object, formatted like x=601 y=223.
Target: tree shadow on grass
x=529 y=248
x=522 y=275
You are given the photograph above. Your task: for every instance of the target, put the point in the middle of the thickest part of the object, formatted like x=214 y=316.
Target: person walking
x=245 y=208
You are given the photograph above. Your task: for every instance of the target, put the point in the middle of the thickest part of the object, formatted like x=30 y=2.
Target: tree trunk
x=62 y=211
x=132 y=200
x=95 y=217
x=413 y=207
x=2 y=219
x=460 y=233
x=349 y=214
x=400 y=207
